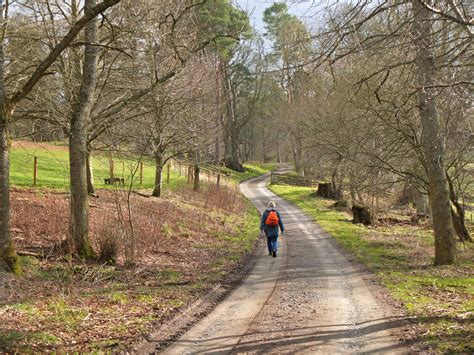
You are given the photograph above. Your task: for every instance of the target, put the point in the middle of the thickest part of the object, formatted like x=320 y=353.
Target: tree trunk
x=432 y=144
x=217 y=149
x=79 y=222
x=197 y=171
x=196 y=177
x=232 y=130
x=335 y=182
x=325 y=191
x=219 y=119
x=362 y=214
x=421 y=203
x=234 y=161
x=8 y=257
x=458 y=215
x=90 y=172
x=158 y=174
x=111 y=166
x=9 y=260
x=297 y=155
x=279 y=159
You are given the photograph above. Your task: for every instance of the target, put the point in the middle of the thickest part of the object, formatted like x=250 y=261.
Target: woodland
x=371 y=99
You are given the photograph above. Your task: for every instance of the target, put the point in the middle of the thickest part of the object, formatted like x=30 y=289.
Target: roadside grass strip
x=440 y=299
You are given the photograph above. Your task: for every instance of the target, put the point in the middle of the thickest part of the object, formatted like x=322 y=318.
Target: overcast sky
x=302 y=8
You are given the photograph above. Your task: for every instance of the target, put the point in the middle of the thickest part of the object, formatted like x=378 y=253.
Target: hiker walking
x=271 y=220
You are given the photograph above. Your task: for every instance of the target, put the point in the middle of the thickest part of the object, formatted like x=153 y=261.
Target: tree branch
x=58 y=49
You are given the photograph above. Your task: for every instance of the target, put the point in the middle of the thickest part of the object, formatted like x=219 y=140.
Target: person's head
x=271 y=204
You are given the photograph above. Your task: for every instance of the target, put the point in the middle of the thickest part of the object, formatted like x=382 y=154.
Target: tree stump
x=325 y=190
x=362 y=214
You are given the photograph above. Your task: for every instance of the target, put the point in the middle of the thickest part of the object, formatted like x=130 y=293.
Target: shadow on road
x=311 y=336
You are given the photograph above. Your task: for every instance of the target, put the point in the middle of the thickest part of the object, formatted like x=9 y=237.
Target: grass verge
x=441 y=298
x=251 y=171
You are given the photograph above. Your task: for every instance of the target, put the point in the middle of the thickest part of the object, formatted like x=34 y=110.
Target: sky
x=304 y=9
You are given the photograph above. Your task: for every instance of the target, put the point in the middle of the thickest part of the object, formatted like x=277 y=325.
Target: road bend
x=309 y=299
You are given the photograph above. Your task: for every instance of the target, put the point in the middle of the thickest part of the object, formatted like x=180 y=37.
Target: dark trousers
x=272 y=243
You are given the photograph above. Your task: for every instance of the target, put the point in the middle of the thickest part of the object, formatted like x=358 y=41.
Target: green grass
x=53 y=169
x=7 y=338
x=251 y=171
x=118 y=297
x=237 y=244
x=436 y=295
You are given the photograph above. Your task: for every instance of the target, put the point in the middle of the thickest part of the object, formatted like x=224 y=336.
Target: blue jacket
x=271 y=231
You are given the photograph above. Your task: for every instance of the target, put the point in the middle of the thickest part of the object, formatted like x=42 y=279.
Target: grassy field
x=53 y=168
x=441 y=298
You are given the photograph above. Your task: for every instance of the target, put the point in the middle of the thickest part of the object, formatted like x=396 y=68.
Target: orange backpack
x=272 y=219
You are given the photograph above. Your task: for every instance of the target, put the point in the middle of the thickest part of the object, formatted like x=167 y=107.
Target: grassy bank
x=252 y=170
x=185 y=243
x=441 y=298
x=181 y=245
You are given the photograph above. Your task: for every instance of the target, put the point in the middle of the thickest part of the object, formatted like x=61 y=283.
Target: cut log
x=29 y=253
x=140 y=194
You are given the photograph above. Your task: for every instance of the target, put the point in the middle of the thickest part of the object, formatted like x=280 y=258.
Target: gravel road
x=309 y=299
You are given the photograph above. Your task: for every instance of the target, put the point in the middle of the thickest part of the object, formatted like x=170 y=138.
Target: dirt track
x=310 y=298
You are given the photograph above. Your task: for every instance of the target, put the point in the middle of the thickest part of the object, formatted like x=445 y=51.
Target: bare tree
x=9 y=102
x=433 y=147
x=79 y=221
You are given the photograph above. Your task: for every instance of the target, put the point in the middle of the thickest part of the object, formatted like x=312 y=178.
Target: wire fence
x=47 y=165
x=207 y=173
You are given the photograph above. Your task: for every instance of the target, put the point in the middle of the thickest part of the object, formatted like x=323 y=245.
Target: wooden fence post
x=35 y=170
x=111 y=165
x=141 y=173
x=218 y=179
x=168 y=174
x=190 y=174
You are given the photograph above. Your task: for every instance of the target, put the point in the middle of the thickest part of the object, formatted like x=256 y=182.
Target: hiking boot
x=274 y=253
